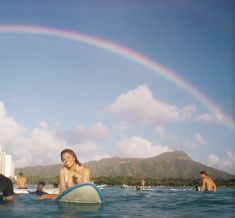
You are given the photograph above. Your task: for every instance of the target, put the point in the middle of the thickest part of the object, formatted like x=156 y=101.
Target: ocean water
x=159 y=202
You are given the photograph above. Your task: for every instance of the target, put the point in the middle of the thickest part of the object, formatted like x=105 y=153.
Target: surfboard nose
x=84 y=193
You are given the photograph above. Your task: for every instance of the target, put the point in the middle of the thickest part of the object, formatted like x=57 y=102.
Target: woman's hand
x=47 y=196
x=75 y=179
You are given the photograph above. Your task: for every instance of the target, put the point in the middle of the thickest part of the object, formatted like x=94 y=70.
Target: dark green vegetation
x=33 y=180
x=170 y=168
x=119 y=180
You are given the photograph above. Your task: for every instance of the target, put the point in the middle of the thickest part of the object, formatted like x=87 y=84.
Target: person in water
x=6 y=188
x=71 y=173
x=39 y=190
x=21 y=181
x=207 y=182
x=142 y=184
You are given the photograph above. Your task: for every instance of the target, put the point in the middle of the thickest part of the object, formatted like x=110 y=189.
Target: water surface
x=160 y=202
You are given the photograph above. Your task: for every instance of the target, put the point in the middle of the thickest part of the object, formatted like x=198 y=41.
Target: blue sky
x=58 y=93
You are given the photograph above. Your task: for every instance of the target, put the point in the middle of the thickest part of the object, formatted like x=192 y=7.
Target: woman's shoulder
x=86 y=171
x=84 y=168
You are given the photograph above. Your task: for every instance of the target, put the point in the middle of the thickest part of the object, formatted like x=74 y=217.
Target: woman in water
x=71 y=173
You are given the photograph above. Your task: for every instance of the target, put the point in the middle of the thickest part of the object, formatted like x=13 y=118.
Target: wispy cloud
x=139 y=147
x=161 y=132
x=42 y=145
x=225 y=164
x=97 y=132
x=198 y=139
x=139 y=105
x=36 y=146
x=211 y=118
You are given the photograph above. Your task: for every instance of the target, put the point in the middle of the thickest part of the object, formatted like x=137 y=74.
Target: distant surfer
x=197 y=188
x=207 y=182
x=142 y=184
x=6 y=188
x=21 y=181
x=71 y=173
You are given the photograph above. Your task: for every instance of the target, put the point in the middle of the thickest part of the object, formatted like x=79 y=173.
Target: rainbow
x=129 y=54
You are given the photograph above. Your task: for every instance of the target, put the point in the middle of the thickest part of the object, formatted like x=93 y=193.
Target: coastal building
x=6 y=164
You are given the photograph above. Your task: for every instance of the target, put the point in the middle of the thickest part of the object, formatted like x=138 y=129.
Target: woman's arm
x=203 y=186
x=47 y=196
x=214 y=186
x=62 y=183
x=87 y=174
x=62 y=187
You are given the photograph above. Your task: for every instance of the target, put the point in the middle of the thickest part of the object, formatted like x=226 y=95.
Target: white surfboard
x=51 y=190
x=85 y=193
x=21 y=191
x=101 y=186
x=24 y=191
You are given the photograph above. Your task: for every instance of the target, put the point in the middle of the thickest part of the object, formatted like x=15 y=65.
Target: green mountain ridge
x=176 y=164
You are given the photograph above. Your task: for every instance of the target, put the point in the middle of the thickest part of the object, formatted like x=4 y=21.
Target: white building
x=6 y=164
x=2 y=162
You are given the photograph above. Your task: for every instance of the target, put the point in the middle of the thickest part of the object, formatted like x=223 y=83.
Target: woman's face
x=202 y=176
x=68 y=160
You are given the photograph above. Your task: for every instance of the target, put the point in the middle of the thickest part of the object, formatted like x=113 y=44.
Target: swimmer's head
x=203 y=174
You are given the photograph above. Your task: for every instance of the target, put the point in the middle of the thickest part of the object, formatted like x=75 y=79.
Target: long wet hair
x=72 y=153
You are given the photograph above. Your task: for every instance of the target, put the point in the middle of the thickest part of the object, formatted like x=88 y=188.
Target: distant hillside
x=176 y=164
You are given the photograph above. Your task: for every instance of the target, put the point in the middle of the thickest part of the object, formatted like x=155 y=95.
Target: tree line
x=120 y=180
